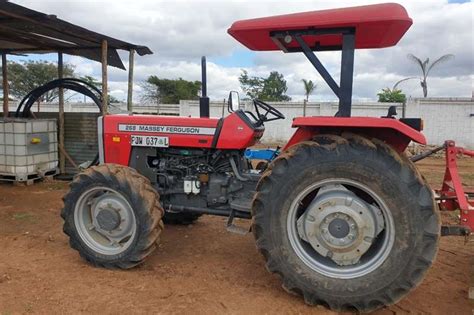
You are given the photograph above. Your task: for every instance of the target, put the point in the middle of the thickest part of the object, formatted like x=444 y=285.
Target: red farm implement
x=452 y=195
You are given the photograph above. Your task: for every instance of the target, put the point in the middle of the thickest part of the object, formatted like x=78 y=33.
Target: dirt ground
x=201 y=269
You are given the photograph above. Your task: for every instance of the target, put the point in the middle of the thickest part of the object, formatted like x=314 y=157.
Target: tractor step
x=231 y=227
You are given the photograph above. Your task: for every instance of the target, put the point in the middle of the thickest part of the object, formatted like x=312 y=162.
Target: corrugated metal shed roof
x=23 y=30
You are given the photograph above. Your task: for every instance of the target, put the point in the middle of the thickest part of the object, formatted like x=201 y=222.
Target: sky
x=180 y=32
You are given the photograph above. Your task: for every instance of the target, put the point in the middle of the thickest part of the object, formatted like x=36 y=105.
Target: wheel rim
x=340 y=228
x=105 y=221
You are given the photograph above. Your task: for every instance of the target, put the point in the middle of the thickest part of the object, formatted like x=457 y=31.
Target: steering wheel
x=268 y=110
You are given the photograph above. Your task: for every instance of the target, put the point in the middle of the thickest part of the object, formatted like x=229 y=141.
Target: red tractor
x=341 y=214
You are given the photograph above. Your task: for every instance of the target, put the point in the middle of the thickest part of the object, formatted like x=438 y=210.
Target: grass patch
x=24 y=216
x=467 y=178
x=29 y=308
x=55 y=185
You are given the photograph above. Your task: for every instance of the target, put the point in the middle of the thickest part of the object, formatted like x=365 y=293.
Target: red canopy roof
x=376 y=26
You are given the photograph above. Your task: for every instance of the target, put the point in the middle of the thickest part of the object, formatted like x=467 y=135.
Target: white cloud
x=179 y=32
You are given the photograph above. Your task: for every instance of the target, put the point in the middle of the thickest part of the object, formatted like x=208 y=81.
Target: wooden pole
x=69 y=158
x=62 y=157
x=5 y=85
x=105 y=97
x=130 y=81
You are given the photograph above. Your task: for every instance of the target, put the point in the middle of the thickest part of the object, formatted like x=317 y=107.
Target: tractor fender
x=390 y=130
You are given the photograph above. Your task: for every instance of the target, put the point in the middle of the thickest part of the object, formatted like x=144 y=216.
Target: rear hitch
x=455 y=230
x=423 y=155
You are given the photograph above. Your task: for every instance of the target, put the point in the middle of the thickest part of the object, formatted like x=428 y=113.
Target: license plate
x=150 y=141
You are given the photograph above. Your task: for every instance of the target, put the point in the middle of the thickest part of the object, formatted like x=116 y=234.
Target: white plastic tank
x=28 y=149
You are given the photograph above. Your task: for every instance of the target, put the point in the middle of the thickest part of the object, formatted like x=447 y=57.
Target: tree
x=94 y=82
x=98 y=84
x=391 y=96
x=272 y=88
x=426 y=68
x=166 y=91
x=401 y=81
x=25 y=76
x=112 y=99
x=309 y=88
x=252 y=86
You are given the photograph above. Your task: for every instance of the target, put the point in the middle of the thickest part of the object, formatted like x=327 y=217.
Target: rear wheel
x=346 y=222
x=112 y=216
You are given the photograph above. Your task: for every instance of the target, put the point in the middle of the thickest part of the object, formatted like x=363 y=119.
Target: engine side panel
x=181 y=132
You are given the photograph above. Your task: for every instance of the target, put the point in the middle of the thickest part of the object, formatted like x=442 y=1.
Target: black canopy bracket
x=343 y=91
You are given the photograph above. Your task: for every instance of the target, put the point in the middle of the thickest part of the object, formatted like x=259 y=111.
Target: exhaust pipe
x=203 y=100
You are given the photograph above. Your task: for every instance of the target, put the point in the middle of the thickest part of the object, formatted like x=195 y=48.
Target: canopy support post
x=62 y=158
x=130 y=81
x=105 y=98
x=5 y=85
x=347 y=75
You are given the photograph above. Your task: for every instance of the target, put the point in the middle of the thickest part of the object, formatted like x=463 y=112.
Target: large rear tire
x=112 y=216
x=346 y=222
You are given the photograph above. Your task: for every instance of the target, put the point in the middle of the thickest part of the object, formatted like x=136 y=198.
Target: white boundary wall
x=444 y=118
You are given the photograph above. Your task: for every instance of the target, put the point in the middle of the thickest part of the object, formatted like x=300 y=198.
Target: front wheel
x=112 y=216
x=347 y=222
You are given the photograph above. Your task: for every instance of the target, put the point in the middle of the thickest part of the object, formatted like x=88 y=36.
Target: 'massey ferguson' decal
x=168 y=129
